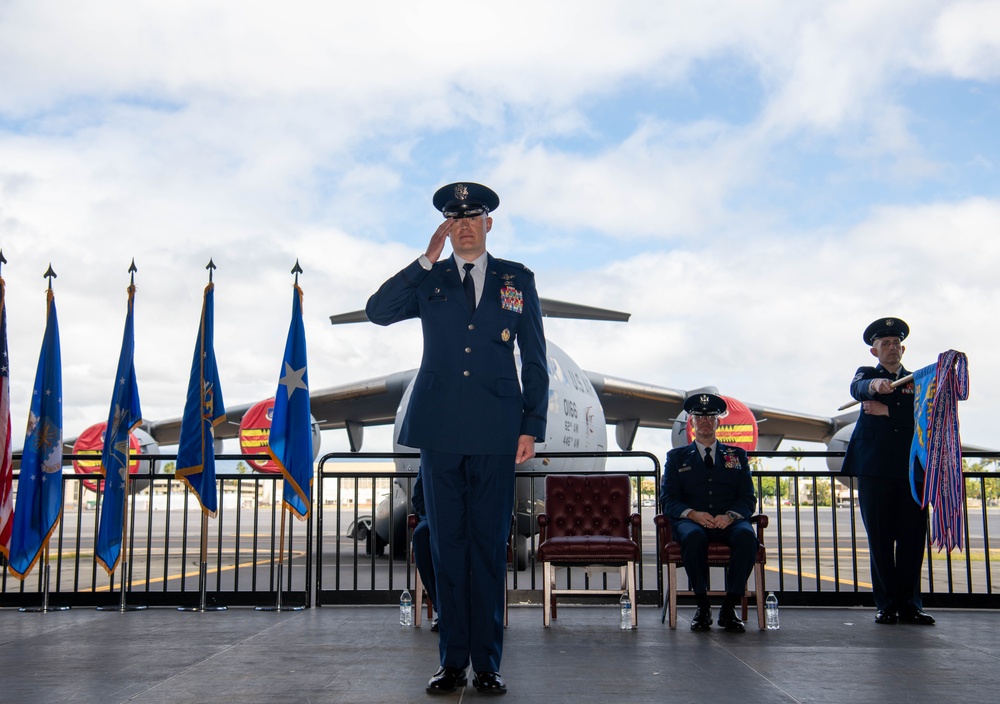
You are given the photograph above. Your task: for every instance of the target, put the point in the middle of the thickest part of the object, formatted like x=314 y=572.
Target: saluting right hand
x=436 y=245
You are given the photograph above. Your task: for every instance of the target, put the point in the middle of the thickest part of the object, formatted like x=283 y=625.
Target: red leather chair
x=588 y=520
x=718 y=556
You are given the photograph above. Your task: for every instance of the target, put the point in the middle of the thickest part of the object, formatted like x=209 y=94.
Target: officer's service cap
x=465 y=200
x=705 y=405
x=886 y=327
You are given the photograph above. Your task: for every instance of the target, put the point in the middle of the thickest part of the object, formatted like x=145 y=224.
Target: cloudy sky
x=754 y=182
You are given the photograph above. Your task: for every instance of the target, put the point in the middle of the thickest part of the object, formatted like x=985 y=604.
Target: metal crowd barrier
x=373 y=569
x=162 y=547
x=817 y=548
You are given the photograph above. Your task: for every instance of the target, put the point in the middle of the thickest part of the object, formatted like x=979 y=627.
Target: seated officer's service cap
x=886 y=327
x=705 y=405
x=465 y=200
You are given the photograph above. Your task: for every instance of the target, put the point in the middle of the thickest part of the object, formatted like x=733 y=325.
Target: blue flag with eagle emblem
x=290 y=443
x=203 y=411
x=39 y=485
x=124 y=415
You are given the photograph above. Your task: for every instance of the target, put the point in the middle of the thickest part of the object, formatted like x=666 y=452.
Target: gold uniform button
x=468 y=350
x=466 y=373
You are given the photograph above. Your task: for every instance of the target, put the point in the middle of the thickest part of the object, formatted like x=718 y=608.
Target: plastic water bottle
x=626 y=609
x=405 y=609
x=771 y=612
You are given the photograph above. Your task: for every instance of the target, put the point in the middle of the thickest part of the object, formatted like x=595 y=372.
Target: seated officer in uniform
x=707 y=494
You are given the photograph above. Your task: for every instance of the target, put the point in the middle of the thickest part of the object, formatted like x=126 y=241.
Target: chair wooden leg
x=505 y=621
x=672 y=593
x=418 y=599
x=758 y=578
x=547 y=578
x=630 y=574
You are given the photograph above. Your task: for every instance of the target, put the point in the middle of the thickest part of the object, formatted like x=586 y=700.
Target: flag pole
x=45 y=607
x=122 y=605
x=281 y=563
x=203 y=575
x=898 y=382
x=203 y=565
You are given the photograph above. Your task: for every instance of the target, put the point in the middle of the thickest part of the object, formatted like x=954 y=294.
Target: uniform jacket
x=688 y=484
x=466 y=398
x=880 y=445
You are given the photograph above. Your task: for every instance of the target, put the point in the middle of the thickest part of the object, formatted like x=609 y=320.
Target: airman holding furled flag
x=878 y=455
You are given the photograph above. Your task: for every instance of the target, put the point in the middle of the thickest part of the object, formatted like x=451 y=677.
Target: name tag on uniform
x=684 y=469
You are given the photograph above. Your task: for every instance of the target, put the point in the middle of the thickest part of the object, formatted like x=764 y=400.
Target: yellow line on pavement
x=155 y=580
x=809 y=575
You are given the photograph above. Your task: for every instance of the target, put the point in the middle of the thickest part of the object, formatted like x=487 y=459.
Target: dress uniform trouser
x=897 y=531
x=694 y=540
x=469 y=501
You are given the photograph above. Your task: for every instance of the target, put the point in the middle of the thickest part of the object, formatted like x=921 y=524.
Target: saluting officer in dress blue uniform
x=711 y=500
x=879 y=456
x=470 y=418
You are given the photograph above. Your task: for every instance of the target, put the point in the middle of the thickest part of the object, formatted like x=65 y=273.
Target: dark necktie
x=708 y=457
x=470 y=287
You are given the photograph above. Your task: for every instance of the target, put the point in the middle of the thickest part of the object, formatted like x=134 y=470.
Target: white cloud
x=966 y=41
x=260 y=134
x=778 y=320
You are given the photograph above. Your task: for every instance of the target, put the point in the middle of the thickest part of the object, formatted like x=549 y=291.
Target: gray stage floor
x=360 y=654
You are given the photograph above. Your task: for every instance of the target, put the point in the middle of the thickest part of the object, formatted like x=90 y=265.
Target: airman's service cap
x=705 y=405
x=465 y=200
x=886 y=327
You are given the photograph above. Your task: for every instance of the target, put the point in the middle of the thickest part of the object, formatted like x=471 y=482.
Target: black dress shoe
x=730 y=621
x=885 y=617
x=446 y=679
x=702 y=620
x=916 y=616
x=489 y=683
x=434 y=624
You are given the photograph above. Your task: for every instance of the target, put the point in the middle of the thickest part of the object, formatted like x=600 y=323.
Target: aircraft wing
x=551 y=308
x=631 y=404
x=350 y=406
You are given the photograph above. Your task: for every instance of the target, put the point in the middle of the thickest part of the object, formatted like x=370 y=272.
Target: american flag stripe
x=6 y=465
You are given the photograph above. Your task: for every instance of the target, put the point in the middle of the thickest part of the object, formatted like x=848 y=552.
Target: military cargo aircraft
x=582 y=404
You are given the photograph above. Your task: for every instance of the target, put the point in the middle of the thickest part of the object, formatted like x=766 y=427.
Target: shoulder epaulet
x=516 y=265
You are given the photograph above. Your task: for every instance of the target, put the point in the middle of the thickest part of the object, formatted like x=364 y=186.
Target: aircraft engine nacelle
x=838 y=443
x=91 y=442
x=255 y=430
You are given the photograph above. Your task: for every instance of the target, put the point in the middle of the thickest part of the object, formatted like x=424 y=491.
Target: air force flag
x=39 y=486
x=124 y=415
x=203 y=411
x=290 y=444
